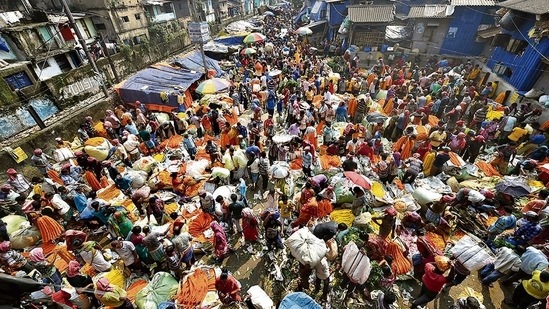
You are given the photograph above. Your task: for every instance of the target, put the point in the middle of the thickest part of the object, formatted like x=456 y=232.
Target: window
x=85 y=28
x=100 y=27
x=166 y=8
x=429 y=32
x=516 y=46
x=125 y=19
x=502 y=70
x=18 y=80
x=137 y=16
x=501 y=40
x=42 y=65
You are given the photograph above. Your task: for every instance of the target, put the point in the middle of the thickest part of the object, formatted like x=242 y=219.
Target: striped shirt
x=263 y=166
x=307 y=159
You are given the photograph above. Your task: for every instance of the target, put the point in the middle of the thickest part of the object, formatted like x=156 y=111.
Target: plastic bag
x=424 y=196
x=306 y=248
x=355 y=264
x=363 y=220
x=343 y=194
x=259 y=298
x=145 y=164
x=470 y=254
x=138 y=178
x=196 y=168
x=24 y=238
x=62 y=154
x=97 y=147
x=162 y=288
x=13 y=223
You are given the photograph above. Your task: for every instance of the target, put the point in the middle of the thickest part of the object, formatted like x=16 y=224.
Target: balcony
x=162 y=17
x=159 y=11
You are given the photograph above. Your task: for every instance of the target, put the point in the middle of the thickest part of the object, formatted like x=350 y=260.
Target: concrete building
x=47 y=41
x=120 y=20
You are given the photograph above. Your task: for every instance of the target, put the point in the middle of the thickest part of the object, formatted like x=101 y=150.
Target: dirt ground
x=252 y=269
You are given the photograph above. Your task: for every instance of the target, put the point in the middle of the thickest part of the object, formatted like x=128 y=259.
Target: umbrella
x=224 y=191
x=513 y=188
x=275 y=72
x=303 y=31
x=213 y=85
x=269 y=13
x=358 y=179
x=376 y=117
x=13 y=288
x=254 y=37
x=248 y=51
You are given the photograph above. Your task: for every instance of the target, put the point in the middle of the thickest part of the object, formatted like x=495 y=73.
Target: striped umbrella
x=248 y=51
x=254 y=37
x=213 y=85
x=303 y=31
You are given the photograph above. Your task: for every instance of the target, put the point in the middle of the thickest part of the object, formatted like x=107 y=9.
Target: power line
x=528 y=41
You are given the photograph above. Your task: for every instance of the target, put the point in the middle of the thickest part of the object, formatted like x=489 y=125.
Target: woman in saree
x=220 y=241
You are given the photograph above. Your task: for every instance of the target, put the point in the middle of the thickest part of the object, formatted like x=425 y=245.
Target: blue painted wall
x=467 y=21
x=318 y=15
x=526 y=68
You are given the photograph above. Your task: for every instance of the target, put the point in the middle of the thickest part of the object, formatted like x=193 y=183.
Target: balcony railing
x=163 y=17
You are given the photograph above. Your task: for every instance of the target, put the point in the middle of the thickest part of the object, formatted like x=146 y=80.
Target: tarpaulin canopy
x=231 y=40
x=193 y=61
x=160 y=87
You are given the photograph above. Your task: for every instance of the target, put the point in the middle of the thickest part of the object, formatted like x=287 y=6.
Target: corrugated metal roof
x=371 y=13
x=474 y=2
x=538 y=7
x=428 y=11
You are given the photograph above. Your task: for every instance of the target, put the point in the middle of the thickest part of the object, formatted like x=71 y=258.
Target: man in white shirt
x=128 y=255
x=506 y=125
x=254 y=171
x=63 y=209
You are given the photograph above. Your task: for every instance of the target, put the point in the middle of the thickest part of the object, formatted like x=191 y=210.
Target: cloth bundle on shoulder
x=306 y=248
x=355 y=264
x=162 y=288
x=469 y=253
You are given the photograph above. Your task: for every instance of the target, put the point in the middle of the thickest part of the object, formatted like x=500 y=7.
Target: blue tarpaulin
x=231 y=40
x=299 y=17
x=299 y=300
x=147 y=85
x=194 y=62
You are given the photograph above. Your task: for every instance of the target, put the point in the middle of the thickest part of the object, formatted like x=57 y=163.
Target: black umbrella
x=513 y=188
x=12 y=288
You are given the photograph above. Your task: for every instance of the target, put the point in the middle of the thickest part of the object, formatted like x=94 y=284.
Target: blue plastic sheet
x=299 y=300
x=146 y=85
x=231 y=40
x=194 y=62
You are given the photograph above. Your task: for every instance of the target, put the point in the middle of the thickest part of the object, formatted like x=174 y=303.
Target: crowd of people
x=297 y=125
